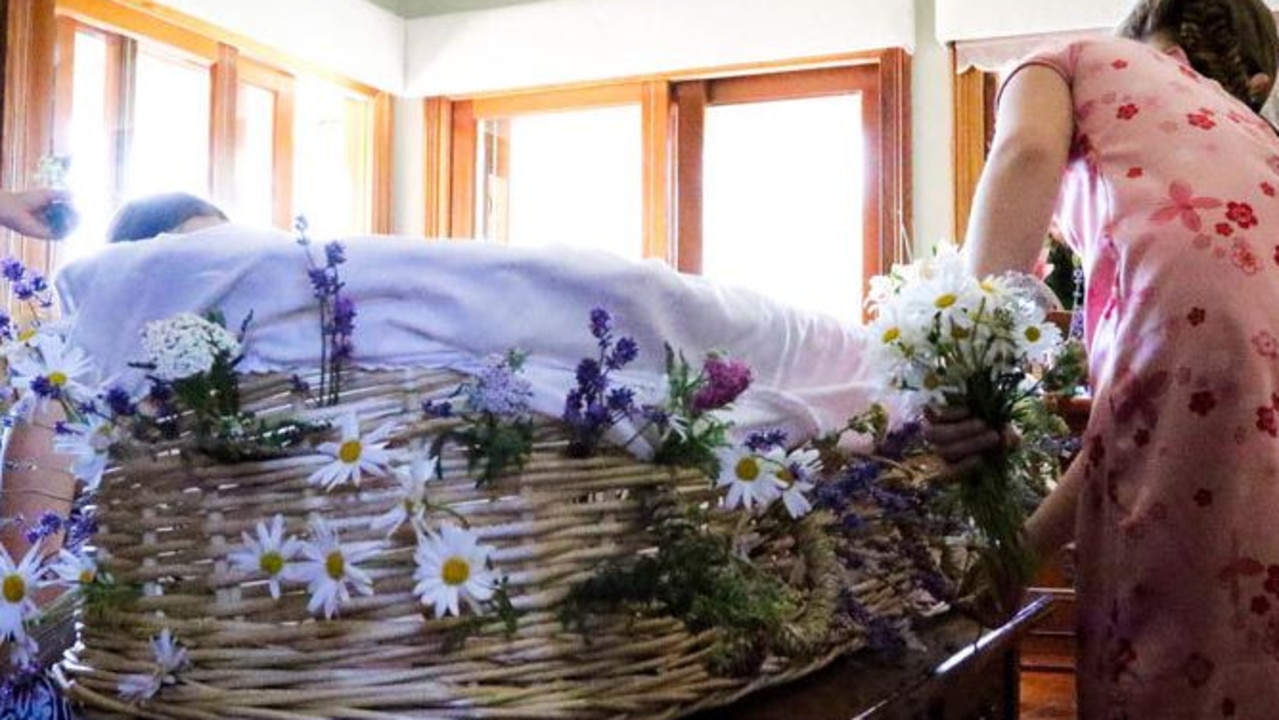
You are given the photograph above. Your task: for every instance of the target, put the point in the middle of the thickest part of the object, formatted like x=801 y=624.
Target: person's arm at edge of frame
x=1012 y=210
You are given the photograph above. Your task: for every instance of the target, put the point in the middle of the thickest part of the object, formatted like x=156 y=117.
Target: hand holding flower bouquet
x=949 y=340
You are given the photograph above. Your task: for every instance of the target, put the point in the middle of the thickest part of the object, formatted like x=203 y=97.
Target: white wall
x=561 y=41
x=932 y=132
x=408 y=171
x=350 y=37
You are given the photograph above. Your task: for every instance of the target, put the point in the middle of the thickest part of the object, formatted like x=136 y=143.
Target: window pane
x=782 y=200
x=574 y=179
x=170 y=150
x=332 y=146
x=254 y=155
x=90 y=136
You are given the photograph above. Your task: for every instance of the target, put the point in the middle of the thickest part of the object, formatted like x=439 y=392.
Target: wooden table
x=965 y=674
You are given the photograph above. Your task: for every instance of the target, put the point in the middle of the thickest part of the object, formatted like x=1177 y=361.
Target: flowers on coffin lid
x=75 y=568
x=690 y=430
x=411 y=503
x=269 y=554
x=596 y=403
x=453 y=565
x=497 y=426
x=170 y=659
x=89 y=443
x=330 y=569
x=756 y=478
x=337 y=315
x=18 y=584
x=185 y=345
x=354 y=455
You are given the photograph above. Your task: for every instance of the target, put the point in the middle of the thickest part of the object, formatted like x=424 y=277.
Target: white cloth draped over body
x=456 y=304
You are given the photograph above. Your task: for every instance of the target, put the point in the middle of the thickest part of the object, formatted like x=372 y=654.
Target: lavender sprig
x=337 y=313
x=596 y=404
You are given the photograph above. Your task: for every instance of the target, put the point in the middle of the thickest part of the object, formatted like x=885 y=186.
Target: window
x=791 y=182
x=570 y=177
x=150 y=104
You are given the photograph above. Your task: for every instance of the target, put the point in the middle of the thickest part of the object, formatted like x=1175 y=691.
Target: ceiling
x=421 y=8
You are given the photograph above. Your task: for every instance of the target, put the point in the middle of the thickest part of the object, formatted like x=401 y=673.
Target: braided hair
x=1229 y=41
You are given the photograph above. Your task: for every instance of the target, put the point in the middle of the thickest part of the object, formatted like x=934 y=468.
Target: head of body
x=147 y=217
x=1231 y=41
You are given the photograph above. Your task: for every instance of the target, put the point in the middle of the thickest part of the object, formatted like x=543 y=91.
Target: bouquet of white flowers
x=947 y=339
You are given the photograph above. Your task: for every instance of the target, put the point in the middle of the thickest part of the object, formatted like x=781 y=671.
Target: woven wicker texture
x=169 y=519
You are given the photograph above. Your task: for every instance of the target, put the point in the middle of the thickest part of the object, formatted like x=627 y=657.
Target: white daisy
x=353 y=456
x=796 y=470
x=451 y=565
x=1037 y=340
x=75 y=568
x=268 y=554
x=751 y=480
x=18 y=583
x=410 y=506
x=55 y=369
x=88 y=443
x=330 y=567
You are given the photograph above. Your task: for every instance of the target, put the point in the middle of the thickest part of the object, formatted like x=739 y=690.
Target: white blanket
x=455 y=304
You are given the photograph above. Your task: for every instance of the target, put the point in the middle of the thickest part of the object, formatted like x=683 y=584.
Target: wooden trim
x=224 y=86
x=607 y=95
x=382 y=179
x=789 y=85
x=152 y=20
x=657 y=144
x=28 y=113
x=690 y=99
x=129 y=19
x=118 y=109
x=861 y=57
x=64 y=85
x=438 y=116
x=971 y=118
x=462 y=178
x=282 y=155
x=896 y=226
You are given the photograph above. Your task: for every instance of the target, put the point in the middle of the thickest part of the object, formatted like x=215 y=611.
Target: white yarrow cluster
x=186 y=344
x=936 y=326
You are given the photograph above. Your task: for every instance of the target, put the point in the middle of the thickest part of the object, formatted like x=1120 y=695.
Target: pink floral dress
x=1171 y=198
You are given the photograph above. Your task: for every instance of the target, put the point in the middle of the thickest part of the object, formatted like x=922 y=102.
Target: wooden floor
x=1047 y=695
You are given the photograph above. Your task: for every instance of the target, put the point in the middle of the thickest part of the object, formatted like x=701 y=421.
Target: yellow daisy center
x=959 y=333
x=350 y=451
x=87 y=576
x=892 y=334
x=786 y=476
x=57 y=378
x=272 y=563
x=455 y=571
x=946 y=301
x=26 y=335
x=747 y=469
x=987 y=286
x=14 y=588
x=335 y=565
x=1033 y=334
x=932 y=382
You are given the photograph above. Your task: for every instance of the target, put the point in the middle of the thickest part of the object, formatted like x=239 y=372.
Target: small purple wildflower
x=601 y=324
x=44 y=388
x=119 y=403
x=334 y=254
x=299 y=385
x=13 y=269
x=50 y=523
x=725 y=381
x=435 y=409
x=764 y=440
x=6 y=326
x=624 y=352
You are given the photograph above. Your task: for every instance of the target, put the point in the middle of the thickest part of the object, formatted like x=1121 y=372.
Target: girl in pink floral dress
x=1166 y=180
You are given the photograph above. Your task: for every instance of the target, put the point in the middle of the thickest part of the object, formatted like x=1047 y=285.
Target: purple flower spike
x=725 y=381
x=601 y=323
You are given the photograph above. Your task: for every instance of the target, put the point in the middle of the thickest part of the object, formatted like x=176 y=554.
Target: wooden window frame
x=228 y=55
x=673 y=107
